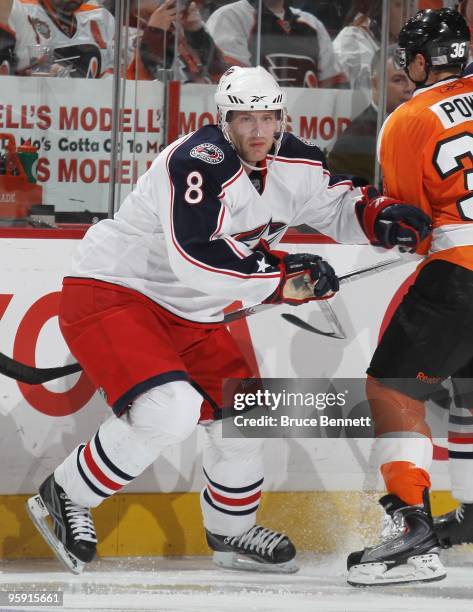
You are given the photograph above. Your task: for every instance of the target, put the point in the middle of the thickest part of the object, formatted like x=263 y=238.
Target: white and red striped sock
x=233 y=469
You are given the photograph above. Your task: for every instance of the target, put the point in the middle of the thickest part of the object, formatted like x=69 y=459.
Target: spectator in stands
x=354 y=152
x=330 y=12
x=155 y=29
x=7 y=39
x=207 y=7
x=82 y=35
x=295 y=46
x=359 y=40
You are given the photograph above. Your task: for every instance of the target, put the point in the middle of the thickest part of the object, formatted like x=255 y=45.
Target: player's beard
x=251 y=154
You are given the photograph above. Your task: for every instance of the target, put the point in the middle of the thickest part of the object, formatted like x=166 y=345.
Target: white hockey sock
x=123 y=447
x=234 y=473
x=404 y=446
x=460 y=453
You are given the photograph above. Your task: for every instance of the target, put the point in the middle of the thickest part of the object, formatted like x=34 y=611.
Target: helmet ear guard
x=400 y=58
x=436 y=55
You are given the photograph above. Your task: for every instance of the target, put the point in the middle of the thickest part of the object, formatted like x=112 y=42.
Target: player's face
x=252 y=133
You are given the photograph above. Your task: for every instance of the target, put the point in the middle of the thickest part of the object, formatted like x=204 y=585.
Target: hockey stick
x=31 y=375
x=337 y=330
x=290 y=318
x=242 y=313
x=327 y=309
x=329 y=313
x=37 y=376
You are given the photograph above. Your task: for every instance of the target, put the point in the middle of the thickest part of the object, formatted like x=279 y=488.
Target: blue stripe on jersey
x=197 y=211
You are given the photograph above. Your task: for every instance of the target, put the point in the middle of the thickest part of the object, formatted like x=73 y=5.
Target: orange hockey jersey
x=425 y=149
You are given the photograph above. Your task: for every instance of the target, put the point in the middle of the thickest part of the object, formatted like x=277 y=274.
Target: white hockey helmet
x=246 y=89
x=250 y=89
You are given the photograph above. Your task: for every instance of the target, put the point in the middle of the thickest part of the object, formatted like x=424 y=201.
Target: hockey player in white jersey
x=81 y=34
x=142 y=310
x=292 y=44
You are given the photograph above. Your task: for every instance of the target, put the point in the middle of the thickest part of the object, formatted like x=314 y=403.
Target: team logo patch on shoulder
x=209 y=153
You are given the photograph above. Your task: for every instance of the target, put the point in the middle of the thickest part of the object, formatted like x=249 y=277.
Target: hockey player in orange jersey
x=426 y=152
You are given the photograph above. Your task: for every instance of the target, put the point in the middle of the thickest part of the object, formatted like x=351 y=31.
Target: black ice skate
x=408 y=551
x=72 y=538
x=455 y=527
x=259 y=549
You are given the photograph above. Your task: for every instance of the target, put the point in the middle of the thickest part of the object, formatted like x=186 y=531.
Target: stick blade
x=290 y=318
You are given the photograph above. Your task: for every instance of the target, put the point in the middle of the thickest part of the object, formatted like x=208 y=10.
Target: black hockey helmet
x=441 y=36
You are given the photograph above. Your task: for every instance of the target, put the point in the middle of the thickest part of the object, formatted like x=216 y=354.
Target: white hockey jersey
x=296 y=49
x=86 y=43
x=185 y=236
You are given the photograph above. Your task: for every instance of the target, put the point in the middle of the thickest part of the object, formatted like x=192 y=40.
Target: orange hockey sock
x=406 y=480
x=393 y=412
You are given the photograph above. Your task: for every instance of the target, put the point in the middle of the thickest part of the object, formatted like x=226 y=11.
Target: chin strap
x=424 y=81
x=257 y=168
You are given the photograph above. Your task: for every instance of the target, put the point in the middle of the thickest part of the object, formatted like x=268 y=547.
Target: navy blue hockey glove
x=304 y=277
x=388 y=222
x=402 y=225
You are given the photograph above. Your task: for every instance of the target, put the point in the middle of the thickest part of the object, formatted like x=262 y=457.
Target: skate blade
x=231 y=560
x=420 y=568
x=38 y=514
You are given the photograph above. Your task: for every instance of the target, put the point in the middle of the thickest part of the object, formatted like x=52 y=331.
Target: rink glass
x=90 y=157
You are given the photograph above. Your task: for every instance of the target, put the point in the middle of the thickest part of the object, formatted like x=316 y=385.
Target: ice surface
x=195 y=585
